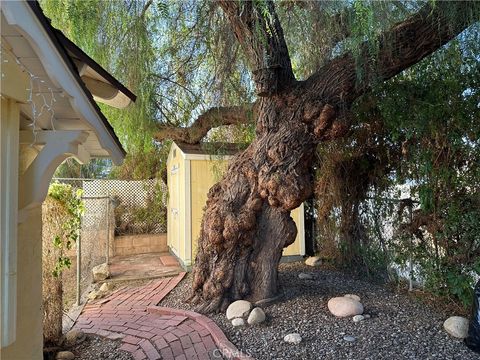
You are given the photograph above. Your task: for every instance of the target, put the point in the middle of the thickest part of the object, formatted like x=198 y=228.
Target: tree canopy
x=384 y=111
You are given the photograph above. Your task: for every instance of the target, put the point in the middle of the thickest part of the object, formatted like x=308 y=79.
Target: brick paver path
x=151 y=333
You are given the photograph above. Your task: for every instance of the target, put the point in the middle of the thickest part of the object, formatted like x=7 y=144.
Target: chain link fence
x=112 y=207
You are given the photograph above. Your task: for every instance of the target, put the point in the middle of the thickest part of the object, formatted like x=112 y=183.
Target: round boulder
x=456 y=326
x=293 y=338
x=352 y=296
x=238 y=309
x=344 y=306
x=257 y=316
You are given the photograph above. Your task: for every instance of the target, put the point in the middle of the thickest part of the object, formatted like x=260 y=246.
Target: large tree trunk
x=247 y=220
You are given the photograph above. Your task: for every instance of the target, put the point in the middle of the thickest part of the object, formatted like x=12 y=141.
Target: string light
x=37 y=109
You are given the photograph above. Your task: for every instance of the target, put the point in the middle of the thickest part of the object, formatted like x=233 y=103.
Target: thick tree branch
x=214 y=117
x=399 y=48
x=260 y=34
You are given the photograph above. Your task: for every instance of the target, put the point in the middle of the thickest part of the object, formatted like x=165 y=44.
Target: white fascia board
x=20 y=15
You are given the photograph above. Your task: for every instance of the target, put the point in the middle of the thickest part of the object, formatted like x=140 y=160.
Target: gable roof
x=47 y=54
x=61 y=43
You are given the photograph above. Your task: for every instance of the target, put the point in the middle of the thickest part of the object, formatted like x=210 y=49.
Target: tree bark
x=247 y=220
x=214 y=117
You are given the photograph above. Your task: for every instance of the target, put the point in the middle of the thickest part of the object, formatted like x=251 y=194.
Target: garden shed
x=191 y=171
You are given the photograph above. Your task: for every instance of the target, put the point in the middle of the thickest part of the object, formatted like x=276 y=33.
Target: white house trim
x=8 y=214
x=57 y=146
x=20 y=15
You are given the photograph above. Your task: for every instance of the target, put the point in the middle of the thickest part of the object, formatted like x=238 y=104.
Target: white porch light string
x=46 y=106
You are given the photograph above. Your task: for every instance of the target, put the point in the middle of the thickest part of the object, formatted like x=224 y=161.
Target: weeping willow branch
x=214 y=117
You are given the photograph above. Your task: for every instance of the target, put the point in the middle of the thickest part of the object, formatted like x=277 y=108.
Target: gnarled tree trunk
x=247 y=220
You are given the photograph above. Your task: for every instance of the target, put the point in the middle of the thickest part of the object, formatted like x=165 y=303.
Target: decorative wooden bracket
x=57 y=146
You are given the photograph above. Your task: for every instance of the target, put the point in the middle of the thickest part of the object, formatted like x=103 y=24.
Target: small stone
x=106 y=287
x=352 y=296
x=238 y=322
x=257 y=316
x=65 y=355
x=293 y=338
x=344 y=306
x=93 y=295
x=456 y=326
x=313 y=261
x=349 y=338
x=238 y=309
x=358 y=318
x=304 y=276
x=367 y=316
x=74 y=337
x=100 y=272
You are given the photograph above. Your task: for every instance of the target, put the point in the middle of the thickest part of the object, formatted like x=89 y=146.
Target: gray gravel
x=399 y=328
x=99 y=348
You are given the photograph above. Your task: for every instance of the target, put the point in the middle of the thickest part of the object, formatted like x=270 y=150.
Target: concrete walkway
x=151 y=332
x=143 y=266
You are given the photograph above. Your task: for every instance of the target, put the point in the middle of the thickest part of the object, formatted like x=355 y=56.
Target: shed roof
x=211 y=148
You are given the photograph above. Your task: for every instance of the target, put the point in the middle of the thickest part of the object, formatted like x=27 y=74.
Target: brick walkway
x=150 y=332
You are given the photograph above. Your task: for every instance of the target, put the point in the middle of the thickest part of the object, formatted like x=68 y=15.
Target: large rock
x=352 y=296
x=344 y=306
x=456 y=326
x=74 y=337
x=294 y=338
x=238 y=309
x=100 y=272
x=65 y=355
x=257 y=316
x=313 y=261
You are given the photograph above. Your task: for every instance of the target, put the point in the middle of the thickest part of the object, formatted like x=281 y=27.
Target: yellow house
x=48 y=114
x=191 y=172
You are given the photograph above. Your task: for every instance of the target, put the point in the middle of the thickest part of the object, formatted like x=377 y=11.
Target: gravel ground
x=98 y=348
x=400 y=327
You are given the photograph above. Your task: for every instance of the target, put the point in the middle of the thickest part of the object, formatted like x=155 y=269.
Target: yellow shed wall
x=204 y=174
x=176 y=193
